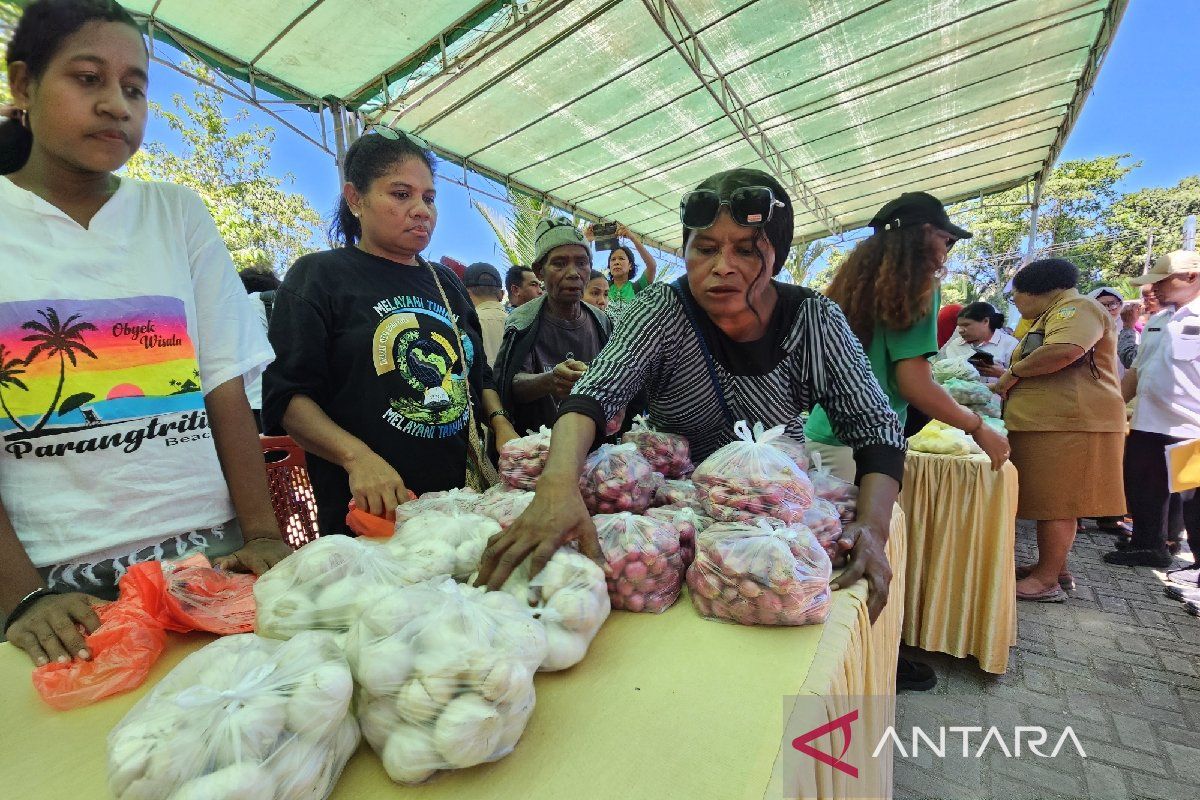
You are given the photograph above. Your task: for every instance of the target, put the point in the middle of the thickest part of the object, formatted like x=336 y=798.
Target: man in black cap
x=486 y=290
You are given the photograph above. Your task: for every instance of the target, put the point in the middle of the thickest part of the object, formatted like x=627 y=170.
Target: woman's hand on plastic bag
x=257 y=556
x=375 y=485
x=992 y=443
x=47 y=631
x=868 y=559
x=556 y=516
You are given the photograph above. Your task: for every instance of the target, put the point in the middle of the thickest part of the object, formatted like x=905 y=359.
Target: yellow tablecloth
x=961 y=587
x=663 y=707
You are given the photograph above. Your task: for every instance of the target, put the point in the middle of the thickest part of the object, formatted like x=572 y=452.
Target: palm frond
x=503 y=229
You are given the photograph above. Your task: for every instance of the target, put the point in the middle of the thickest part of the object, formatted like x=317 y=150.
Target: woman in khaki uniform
x=1065 y=417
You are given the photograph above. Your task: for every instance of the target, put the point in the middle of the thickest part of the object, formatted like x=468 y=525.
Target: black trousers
x=1148 y=497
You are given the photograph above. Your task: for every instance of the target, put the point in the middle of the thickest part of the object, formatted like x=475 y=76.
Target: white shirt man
x=1165 y=378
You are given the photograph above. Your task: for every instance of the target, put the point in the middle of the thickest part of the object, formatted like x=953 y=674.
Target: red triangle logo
x=801 y=743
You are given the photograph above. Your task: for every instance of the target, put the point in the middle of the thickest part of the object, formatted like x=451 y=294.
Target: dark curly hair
x=1046 y=275
x=369 y=157
x=888 y=279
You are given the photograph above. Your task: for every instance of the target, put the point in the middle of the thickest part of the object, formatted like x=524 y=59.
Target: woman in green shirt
x=889 y=290
x=624 y=283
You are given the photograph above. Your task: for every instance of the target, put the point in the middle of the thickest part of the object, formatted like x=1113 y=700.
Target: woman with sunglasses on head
x=381 y=375
x=724 y=343
x=125 y=342
x=889 y=289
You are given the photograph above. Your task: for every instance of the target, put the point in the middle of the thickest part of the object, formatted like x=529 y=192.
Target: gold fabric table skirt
x=667 y=706
x=961 y=587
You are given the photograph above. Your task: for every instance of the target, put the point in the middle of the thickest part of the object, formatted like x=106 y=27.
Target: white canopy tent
x=614 y=108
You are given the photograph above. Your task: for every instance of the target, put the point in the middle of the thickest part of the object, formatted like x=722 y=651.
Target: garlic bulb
x=563 y=648
x=409 y=755
x=320 y=696
x=468 y=731
x=414 y=703
x=383 y=666
x=236 y=782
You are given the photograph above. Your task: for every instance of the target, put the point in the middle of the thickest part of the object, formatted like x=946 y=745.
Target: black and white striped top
x=657 y=348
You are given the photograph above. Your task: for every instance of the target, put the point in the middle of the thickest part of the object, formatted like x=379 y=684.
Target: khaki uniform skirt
x=1068 y=474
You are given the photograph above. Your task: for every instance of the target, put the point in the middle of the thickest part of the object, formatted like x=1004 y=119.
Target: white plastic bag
x=644 y=566
x=677 y=493
x=617 y=478
x=243 y=718
x=327 y=583
x=688 y=522
x=954 y=369
x=445 y=676
x=570 y=598
x=439 y=543
x=667 y=453
x=503 y=504
x=462 y=501
x=522 y=460
x=752 y=478
x=760 y=574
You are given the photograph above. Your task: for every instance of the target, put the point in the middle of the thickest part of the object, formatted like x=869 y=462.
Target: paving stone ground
x=1118 y=653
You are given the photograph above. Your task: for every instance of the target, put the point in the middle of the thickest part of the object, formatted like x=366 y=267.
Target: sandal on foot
x=1054 y=594
x=1065 y=579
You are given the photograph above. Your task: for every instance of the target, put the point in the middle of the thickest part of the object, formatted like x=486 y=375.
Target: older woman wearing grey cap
x=725 y=342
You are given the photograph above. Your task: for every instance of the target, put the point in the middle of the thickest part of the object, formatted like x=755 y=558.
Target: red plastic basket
x=291 y=492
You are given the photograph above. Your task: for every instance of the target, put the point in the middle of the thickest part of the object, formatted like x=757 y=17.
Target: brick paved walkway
x=1118 y=653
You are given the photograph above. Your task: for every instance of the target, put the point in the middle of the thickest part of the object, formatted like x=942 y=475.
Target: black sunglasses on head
x=749 y=206
x=393 y=135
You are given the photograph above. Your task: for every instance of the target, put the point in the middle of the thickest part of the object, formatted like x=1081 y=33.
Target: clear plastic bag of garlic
x=443 y=543
x=751 y=478
x=445 y=676
x=454 y=501
x=244 y=718
x=760 y=573
x=688 y=522
x=503 y=504
x=327 y=584
x=570 y=598
x=644 y=566
x=523 y=459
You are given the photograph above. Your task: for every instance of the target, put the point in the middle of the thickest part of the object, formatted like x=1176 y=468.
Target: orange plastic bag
x=191 y=595
x=123 y=649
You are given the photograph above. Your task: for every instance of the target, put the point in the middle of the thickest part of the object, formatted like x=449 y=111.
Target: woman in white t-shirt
x=978 y=330
x=125 y=340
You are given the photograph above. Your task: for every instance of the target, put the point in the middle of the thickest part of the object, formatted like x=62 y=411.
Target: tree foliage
x=262 y=223
x=9 y=14
x=515 y=227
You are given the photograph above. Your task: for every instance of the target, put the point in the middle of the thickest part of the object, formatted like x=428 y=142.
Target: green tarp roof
x=613 y=108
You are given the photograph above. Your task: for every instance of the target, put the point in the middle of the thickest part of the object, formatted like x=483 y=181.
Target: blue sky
x=1145 y=102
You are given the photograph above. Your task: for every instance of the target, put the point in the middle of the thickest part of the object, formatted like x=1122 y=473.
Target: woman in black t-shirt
x=380 y=368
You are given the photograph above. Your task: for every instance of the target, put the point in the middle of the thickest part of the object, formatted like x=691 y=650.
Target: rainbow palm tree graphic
x=9 y=370
x=56 y=338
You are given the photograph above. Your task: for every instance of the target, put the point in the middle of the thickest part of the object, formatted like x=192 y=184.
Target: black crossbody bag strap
x=689 y=311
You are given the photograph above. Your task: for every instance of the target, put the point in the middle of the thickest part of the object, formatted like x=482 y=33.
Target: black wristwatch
x=24 y=605
x=500 y=413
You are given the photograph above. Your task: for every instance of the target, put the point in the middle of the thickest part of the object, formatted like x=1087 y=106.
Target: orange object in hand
x=364 y=523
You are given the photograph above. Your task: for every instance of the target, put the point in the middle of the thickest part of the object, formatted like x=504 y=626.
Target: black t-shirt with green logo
x=371 y=342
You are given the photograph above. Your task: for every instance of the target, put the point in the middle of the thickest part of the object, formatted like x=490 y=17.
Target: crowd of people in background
x=399 y=377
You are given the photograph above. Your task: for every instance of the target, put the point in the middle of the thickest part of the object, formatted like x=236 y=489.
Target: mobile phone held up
x=981 y=358
x=606 y=236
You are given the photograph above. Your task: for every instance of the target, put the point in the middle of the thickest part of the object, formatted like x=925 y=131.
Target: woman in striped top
x=724 y=343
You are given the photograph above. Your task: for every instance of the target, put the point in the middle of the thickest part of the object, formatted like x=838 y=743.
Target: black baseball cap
x=483 y=274
x=915 y=208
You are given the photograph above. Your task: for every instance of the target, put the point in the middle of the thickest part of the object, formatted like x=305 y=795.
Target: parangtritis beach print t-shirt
x=110 y=336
